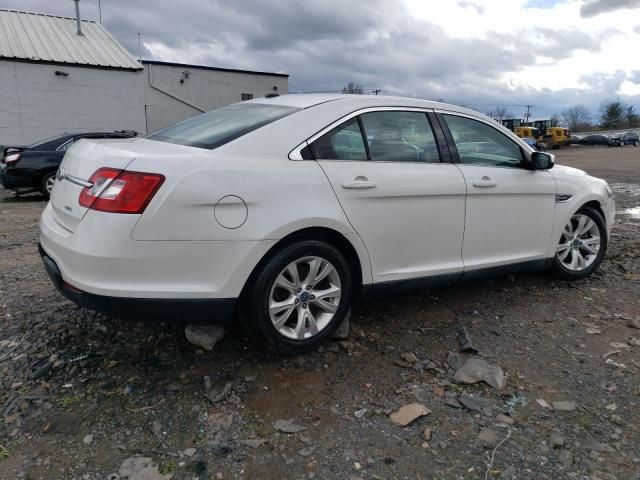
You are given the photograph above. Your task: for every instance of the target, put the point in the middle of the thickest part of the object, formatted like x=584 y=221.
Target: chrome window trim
x=296 y=153
x=71 y=140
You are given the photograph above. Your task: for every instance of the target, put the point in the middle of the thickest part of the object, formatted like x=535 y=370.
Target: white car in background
x=282 y=211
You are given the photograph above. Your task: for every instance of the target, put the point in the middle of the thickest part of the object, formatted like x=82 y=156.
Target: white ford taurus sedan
x=282 y=211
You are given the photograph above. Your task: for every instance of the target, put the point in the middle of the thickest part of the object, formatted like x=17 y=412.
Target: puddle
x=632 y=212
x=628 y=188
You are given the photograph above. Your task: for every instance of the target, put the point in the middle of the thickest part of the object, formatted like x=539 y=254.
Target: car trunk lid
x=81 y=162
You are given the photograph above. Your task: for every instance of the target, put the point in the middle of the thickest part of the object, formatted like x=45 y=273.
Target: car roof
x=307 y=100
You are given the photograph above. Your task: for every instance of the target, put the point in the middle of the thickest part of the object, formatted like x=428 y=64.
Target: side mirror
x=541 y=161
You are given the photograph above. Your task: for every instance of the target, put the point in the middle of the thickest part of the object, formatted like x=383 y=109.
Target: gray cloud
x=324 y=44
x=591 y=8
x=466 y=4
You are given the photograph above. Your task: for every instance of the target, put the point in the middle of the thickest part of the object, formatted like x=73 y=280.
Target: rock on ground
x=205 y=336
x=477 y=370
x=408 y=413
x=141 y=468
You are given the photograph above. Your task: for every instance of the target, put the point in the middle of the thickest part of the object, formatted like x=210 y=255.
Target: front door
x=509 y=209
x=405 y=204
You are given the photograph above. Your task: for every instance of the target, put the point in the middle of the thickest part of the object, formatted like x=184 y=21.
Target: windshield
x=213 y=129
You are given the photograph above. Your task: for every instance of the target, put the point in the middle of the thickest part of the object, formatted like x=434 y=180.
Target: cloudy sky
x=483 y=53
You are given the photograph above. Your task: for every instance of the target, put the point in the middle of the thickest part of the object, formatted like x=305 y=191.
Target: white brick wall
x=36 y=104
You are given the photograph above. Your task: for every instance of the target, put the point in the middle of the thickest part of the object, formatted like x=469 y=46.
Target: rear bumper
x=21 y=181
x=209 y=310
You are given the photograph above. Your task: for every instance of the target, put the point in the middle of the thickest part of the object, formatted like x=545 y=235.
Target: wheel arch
x=596 y=205
x=357 y=263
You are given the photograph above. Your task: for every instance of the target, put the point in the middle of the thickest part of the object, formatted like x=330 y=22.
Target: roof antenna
x=139 y=54
x=79 y=32
x=99 y=12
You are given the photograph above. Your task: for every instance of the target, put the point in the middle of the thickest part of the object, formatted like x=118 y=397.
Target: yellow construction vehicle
x=556 y=137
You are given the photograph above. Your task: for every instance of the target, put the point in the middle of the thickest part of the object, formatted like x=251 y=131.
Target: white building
x=175 y=91
x=54 y=80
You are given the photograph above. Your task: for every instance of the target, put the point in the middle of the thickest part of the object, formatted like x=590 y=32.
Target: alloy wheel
x=49 y=184
x=304 y=297
x=579 y=244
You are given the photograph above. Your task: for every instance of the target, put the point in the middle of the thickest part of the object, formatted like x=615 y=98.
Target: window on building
x=246 y=96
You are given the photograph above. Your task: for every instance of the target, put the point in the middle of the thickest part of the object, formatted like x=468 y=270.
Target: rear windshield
x=215 y=128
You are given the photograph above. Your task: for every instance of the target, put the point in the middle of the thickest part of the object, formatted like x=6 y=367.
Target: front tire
x=298 y=298
x=582 y=245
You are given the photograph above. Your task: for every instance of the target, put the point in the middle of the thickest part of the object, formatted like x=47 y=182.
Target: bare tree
x=353 y=88
x=500 y=114
x=577 y=118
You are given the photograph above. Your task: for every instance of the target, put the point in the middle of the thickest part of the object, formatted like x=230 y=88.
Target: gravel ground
x=84 y=396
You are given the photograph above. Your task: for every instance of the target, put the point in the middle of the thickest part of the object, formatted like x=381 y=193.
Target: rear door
x=406 y=205
x=509 y=209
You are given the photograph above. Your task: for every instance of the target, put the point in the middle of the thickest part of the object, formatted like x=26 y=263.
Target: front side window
x=342 y=143
x=400 y=137
x=479 y=143
x=217 y=127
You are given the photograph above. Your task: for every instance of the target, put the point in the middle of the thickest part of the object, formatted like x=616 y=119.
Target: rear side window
x=213 y=129
x=342 y=143
x=481 y=144
x=400 y=137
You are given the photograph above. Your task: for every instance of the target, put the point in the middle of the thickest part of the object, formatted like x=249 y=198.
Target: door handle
x=484 y=182
x=359 y=183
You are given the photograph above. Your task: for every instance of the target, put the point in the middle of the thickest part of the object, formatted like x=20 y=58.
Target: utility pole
x=139 y=51
x=376 y=91
x=527 y=114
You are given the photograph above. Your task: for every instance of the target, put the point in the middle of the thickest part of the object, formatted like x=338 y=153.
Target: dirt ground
x=81 y=393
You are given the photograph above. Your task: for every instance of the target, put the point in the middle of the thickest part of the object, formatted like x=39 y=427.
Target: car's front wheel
x=636 y=143
x=582 y=245
x=298 y=298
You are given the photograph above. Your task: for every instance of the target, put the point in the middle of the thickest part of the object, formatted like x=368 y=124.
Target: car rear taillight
x=120 y=191
x=12 y=158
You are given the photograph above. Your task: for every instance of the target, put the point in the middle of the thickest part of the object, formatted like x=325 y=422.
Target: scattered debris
x=306 y=451
x=409 y=357
x=477 y=370
x=361 y=413
x=287 y=426
x=544 y=404
x=342 y=332
x=408 y=413
x=556 y=440
x=610 y=353
x=88 y=439
x=465 y=340
x=218 y=391
x=610 y=361
x=501 y=418
x=205 y=336
x=426 y=434
x=564 y=406
x=634 y=341
x=190 y=452
x=454 y=360
x=593 y=331
x=253 y=442
x=634 y=323
x=141 y=468
x=488 y=437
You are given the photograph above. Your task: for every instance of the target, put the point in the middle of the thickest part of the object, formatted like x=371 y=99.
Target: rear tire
x=288 y=309
x=636 y=143
x=47 y=183
x=582 y=245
